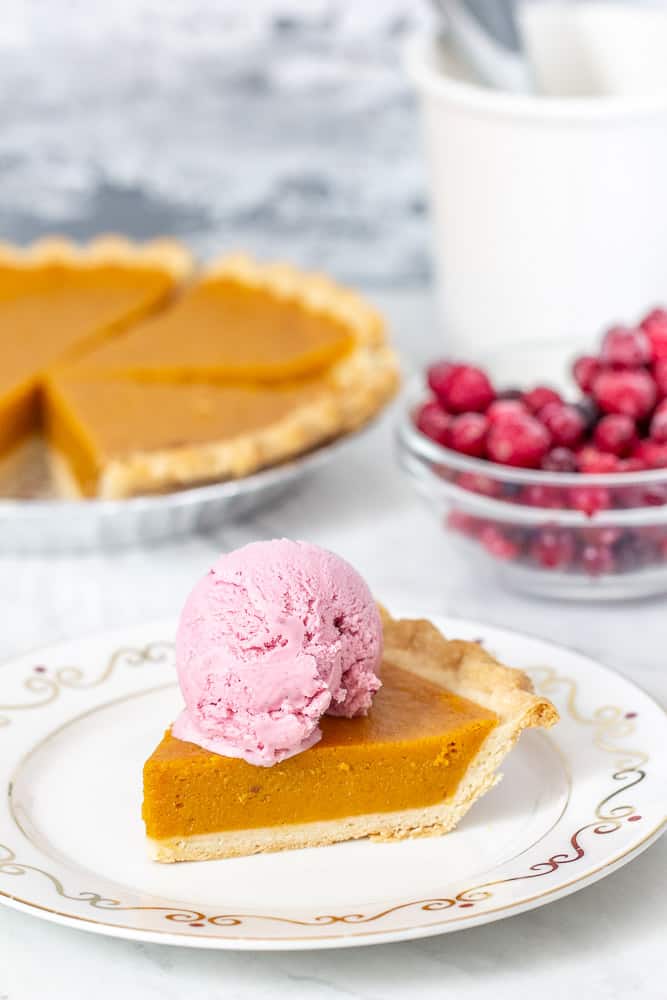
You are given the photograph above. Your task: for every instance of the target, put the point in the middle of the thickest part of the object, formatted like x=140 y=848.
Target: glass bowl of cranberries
x=559 y=484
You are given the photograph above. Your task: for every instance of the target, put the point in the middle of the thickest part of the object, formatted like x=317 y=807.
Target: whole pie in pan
x=146 y=377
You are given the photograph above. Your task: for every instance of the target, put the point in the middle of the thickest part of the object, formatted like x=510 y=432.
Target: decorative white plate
x=78 y=719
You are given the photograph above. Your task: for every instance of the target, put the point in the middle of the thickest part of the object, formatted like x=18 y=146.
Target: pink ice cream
x=275 y=635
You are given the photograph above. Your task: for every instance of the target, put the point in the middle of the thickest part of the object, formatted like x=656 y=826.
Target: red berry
x=597 y=559
x=564 y=423
x=539 y=397
x=438 y=376
x=660 y=377
x=617 y=434
x=623 y=347
x=630 y=392
x=539 y=495
x=467 y=434
x=521 y=441
x=553 y=548
x=585 y=371
x=658 y=428
x=503 y=410
x=560 y=460
x=655 y=327
x=589 y=499
x=432 y=421
x=464 y=389
x=477 y=483
x=498 y=543
x=652 y=453
x=592 y=461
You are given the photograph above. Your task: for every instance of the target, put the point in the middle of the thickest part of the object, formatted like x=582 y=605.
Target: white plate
x=77 y=721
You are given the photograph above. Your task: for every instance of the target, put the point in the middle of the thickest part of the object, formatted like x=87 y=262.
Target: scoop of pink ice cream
x=275 y=635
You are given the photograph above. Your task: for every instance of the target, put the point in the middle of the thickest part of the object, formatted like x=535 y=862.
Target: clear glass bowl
x=549 y=550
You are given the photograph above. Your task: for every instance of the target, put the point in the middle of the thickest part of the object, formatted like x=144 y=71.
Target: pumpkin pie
x=57 y=298
x=438 y=730
x=142 y=385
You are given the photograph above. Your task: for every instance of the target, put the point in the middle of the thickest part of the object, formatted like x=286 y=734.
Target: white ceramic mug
x=550 y=214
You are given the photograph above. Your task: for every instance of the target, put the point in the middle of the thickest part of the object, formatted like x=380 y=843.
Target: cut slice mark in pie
x=439 y=728
x=120 y=437
x=242 y=322
x=56 y=297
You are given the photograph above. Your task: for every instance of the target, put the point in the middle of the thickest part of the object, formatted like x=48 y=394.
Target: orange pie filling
x=94 y=423
x=50 y=312
x=224 y=329
x=411 y=751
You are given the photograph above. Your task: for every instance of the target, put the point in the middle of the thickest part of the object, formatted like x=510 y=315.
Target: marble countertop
x=606 y=941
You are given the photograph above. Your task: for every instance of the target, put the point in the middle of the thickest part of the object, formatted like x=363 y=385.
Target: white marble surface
x=606 y=941
x=267 y=125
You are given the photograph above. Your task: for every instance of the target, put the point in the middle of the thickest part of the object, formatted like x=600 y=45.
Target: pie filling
x=411 y=751
x=92 y=423
x=49 y=313
x=221 y=329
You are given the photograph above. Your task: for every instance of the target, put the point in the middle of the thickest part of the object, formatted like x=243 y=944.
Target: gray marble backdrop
x=282 y=126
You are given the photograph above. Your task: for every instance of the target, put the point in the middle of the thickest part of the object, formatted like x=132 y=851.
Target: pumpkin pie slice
x=56 y=298
x=431 y=745
x=244 y=321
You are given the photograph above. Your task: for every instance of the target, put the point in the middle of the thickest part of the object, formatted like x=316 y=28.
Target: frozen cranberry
x=625 y=347
x=505 y=409
x=438 y=376
x=652 y=454
x=630 y=392
x=521 y=441
x=539 y=397
x=498 y=543
x=560 y=460
x=585 y=371
x=655 y=327
x=553 y=548
x=432 y=421
x=467 y=434
x=540 y=495
x=660 y=377
x=597 y=560
x=564 y=423
x=617 y=434
x=589 y=499
x=658 y=428
x=592 y=461
x=634 y=551
x=476 y=483
x=464 y=389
